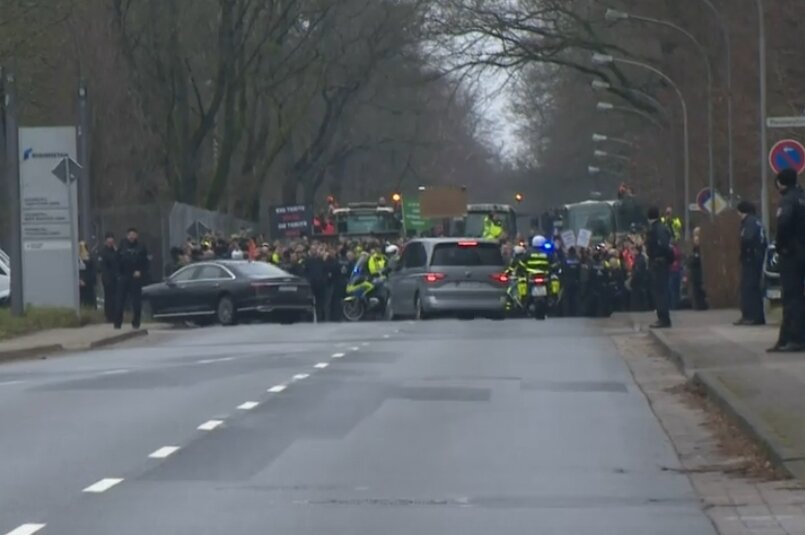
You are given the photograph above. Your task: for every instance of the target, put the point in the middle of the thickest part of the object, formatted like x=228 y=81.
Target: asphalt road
x=442 y=427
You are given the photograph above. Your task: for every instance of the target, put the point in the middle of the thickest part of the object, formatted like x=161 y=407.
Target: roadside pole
x=12 y=176
x=84 y=186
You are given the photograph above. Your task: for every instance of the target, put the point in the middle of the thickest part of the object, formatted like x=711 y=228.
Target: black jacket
x=107 y=262
x=132 y=257
x=791 y=223
x=658 y=242
x=753 y=240
x=316 y=272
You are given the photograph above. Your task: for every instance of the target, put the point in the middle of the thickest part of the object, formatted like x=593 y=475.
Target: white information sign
x=49 y=219
x=568 y=239
x=584 y=238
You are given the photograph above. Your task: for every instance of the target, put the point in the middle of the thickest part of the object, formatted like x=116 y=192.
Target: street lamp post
x=764 y=171
x=728 y=73
x=606 y=86
x=615 y=15
x=601 y=138
x=604 y=154
x=602 y=59
x=608 y=106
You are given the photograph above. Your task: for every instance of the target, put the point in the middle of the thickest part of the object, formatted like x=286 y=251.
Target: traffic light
x=396 y=198
x=518 y=197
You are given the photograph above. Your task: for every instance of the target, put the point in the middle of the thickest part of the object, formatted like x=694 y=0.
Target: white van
x=5 y=277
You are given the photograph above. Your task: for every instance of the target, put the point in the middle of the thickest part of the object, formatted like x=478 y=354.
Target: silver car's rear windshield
x=467 y=253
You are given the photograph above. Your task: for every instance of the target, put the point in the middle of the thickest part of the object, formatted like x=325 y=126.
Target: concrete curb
x=790 y=461
x=30 y=352
x=53 y=349
x=672 y=354
x=117 y=338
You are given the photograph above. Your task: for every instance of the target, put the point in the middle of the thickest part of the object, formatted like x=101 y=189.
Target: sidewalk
x=56 y=340
x=766 y=393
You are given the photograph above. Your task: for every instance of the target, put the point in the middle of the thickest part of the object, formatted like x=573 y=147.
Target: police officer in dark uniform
x=107 y=261
x=133 y=264
x=753 y=249
x=660 y=254
x=571 y=283
x=790 y=241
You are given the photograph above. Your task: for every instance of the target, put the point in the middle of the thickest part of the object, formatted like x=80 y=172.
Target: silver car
x=437 y=276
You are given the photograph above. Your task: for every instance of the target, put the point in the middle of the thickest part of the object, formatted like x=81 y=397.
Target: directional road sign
x=797 y=121
x=707 y=202
x=787 y=154
x=67 y=169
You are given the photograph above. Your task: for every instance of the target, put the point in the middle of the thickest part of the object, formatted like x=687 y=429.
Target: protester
x=660 y=255
x=87 y=277
x=790 y=242
x=107 y=262
x=753 y=250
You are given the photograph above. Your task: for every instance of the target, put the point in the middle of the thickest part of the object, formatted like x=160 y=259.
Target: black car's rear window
x=260 y=270
x=466 y=254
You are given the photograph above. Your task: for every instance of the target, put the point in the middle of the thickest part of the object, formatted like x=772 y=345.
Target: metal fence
x=165 y=225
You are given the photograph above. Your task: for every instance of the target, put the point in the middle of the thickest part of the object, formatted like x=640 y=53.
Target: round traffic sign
x=702 y=197
x=787 y=154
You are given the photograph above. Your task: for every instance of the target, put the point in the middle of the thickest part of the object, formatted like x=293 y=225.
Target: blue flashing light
x=548 y=246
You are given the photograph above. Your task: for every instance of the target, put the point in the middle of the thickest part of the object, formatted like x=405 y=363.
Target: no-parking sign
x=787 y=154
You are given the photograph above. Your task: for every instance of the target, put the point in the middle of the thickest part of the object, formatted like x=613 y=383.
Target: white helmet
x=538 y=241
x=519 y=249
x=392 y=249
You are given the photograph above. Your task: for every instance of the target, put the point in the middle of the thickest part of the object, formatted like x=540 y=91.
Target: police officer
x=133 y=264
x=753 y=248
x=673 y=223
x=790 y=241
x=660 y=256
x=107 y=261
x=492 y=227
x=571 y=282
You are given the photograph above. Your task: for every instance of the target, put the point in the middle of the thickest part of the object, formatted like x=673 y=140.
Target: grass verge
x=40 y=319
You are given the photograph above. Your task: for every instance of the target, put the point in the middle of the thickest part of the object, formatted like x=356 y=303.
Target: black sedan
x=227 y=290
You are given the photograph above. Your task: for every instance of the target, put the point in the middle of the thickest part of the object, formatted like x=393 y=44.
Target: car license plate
x=774 y=293
x=287 y=288
x=539 y=291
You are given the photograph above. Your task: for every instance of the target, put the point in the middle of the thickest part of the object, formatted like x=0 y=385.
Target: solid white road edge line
x=26 y=529
x=277 y=389
x=115 y=372
x=209 y=425
x=103 y=485
x=163 y=452
x=321 y=365
x=9 y=383
x=338 y=355
x=249 y=405
x=301 y=376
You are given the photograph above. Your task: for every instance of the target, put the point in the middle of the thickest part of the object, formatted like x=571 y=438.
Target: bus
x=367 y=219
x=606 y=220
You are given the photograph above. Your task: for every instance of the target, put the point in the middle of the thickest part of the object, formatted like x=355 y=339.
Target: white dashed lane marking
x=364 y=344
x=338 y=355
x=386 y=336
x=249 y=405
x=164 y=452
x=9 y=383
x=354 y=348
x=277 y=389
x=321 y=365
x=103 y=485
x=115 y=372
x=26 y=529
x=210 y=425
x=212 y=361
x=300 y=376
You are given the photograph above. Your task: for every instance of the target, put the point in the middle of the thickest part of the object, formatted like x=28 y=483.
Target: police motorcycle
x=518 y=294
x=365 y=294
